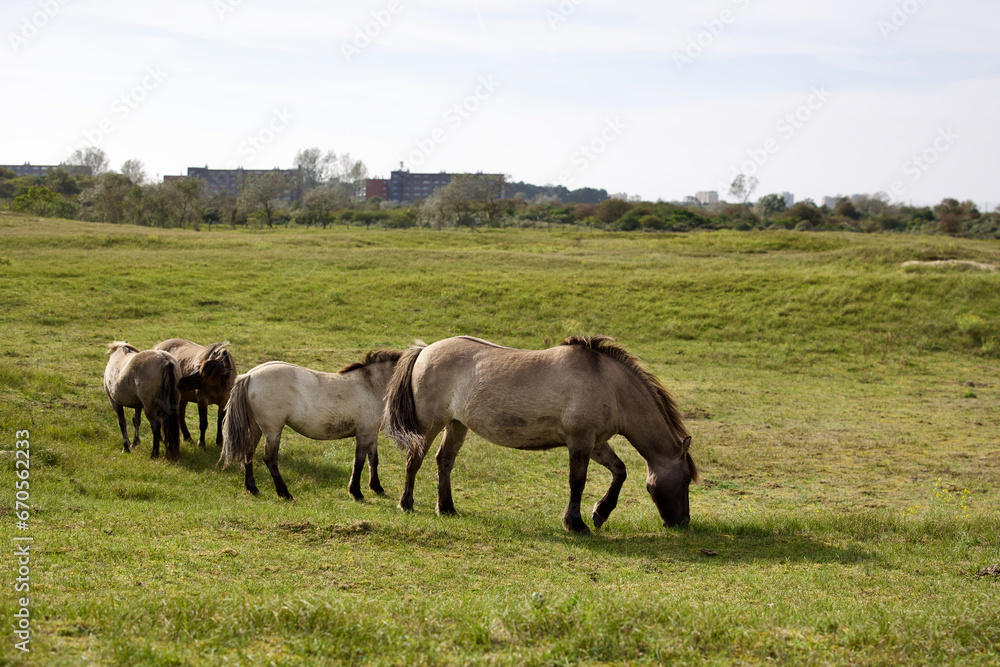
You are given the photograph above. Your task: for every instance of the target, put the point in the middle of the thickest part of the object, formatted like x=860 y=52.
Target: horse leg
x=181 y=409
x=604 y=455
x=120 y=413
x=248 y=481
x=154 y=425
x=202 y=421
x=454 y=436
x=373 y=482
x=218 y=426
x=271 y=461
x=579 y=458
x=414 y=459
x=136 y=420
x=360 y=451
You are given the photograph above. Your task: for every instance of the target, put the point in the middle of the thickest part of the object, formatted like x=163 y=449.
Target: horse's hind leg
x=414 y=459
x=454 y=436
x=202 y=421
x=218 y=425
x=154 y=425
x=604 y=455
x=181 y=410
x=271 y=461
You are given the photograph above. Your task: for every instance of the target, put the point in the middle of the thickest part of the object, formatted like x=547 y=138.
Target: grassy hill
x=845 y=412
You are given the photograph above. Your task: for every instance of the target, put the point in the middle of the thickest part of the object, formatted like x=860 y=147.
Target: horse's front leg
x=579 y=459
x=181 y=410
x=202 y=421
x=360 y=454
x=120 y=413
x=136 y=420
x=271 y=461
x=604 y=455
x=454 y=436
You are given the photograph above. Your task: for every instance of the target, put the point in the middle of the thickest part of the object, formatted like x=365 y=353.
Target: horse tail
x=238 y=425
x=400 y=417
x=169 y=401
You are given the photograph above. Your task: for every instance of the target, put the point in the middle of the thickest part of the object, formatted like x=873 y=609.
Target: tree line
x=330 y=191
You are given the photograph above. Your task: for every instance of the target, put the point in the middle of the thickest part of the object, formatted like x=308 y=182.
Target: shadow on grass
x=300 y=470
x=725 y=544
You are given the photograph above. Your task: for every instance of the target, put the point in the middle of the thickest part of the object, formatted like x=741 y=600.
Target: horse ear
x=685 y=446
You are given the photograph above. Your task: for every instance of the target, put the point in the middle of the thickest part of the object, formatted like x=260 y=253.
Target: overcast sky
x=657 y=98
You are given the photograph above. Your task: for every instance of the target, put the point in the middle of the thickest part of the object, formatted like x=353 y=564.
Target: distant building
x=28 y=169
x=377 y=187
x=403 y=185
x=406 y=186
x=830 y=202
x=230 y=181
x=706 y=197
x=789 y=199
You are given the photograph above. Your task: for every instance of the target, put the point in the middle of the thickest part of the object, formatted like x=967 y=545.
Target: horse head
x=668 y=482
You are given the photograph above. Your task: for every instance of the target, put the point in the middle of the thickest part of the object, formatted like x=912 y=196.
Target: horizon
x=654 y=100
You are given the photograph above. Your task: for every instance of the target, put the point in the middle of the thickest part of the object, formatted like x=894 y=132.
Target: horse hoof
x=598 y=520
x=253 y=491
x=406 y=508
x=378 y=490
x=286 y=495
x=576 y=526
x=126 y=450
x=358 y=497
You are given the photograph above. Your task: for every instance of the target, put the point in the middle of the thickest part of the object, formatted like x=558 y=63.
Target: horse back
x=527 y=399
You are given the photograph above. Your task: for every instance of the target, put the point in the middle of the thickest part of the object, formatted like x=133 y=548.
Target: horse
x=321 y=406
x=575 y=395
x=149 y=381
x=217 y=370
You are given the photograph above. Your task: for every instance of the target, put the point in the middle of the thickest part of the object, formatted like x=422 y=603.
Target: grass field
x=845 y=413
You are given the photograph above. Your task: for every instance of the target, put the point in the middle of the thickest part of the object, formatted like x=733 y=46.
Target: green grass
x=844 y=412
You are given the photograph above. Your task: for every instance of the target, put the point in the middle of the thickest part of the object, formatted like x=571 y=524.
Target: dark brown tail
x=400 y=418
x=169 y=414
x=239 y=430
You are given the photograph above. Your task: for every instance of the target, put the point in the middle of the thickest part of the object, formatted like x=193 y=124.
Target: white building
x=707 y=197
x=789 y=199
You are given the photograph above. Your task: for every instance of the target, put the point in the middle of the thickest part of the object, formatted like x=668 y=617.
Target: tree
x=37 y=200
x=264 y=193
x=807 y=211
x=91 y=157
x=846 y=208
x=610 y=210
x=953 y=216
x=191 y=199
x=134 y=170
x=58 y=180
x=316 y=168
x=322 y=202
x=768 y=205
x=109 y=196
x=742 y=187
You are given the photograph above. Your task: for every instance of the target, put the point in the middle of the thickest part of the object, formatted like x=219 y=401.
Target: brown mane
x=120 y=344
x=608 y=347
x=373 y=357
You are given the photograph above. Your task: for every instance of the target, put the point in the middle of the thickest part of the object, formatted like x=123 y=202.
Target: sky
x=656 y=99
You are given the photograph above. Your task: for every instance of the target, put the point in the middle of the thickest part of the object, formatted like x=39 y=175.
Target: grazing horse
x=217 y=370
x=148 y=381
x=322 y=406
x=575 y=395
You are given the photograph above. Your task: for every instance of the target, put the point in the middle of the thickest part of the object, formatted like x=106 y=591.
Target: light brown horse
x=217 y=370
x=149 y=382
x=322 y=406
x=576 y=395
